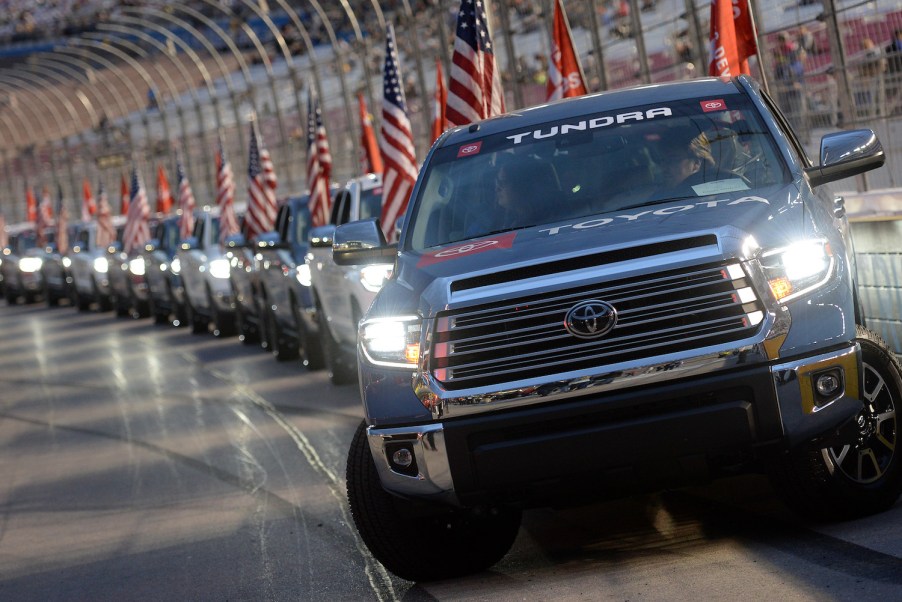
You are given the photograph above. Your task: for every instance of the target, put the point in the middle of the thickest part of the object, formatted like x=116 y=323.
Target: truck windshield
x=371 y=203
x=594 y=164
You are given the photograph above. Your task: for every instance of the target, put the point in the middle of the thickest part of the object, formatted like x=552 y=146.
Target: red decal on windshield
x=504 y=241
x=469 y=149
x=713 y=105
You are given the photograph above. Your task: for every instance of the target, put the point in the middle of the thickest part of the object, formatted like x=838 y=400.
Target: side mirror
x=321 y=237
x=362 y=243
x=846 y=154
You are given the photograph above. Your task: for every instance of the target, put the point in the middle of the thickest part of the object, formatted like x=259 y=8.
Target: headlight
x=67 y=263
x=219 y=268
x=372 y=277
x=30 y=264
x=136 y=266
x=175 y=266
x=101 y=265
x=393 y=342
x=302 y=273
x=797 y=269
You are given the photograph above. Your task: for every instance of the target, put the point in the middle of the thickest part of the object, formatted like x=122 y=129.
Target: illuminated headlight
x=797 y=269
x=302 y=273
x=219 y=268
x=30 y=264
x=101 y=265
x=393 y=342
x=372 y=277
x=136 y=266
x=67 y=263
x=175 y=266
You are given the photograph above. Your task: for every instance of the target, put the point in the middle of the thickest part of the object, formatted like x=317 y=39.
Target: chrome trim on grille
x=759 y=343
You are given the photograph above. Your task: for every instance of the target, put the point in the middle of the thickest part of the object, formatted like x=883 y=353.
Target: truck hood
x=768 y=218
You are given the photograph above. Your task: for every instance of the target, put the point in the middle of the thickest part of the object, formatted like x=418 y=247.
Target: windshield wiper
x=658 y=202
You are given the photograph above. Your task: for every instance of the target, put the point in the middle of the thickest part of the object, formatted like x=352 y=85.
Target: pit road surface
x=141 y=462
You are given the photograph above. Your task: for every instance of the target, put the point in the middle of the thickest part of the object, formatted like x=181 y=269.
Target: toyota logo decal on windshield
x=590 y=319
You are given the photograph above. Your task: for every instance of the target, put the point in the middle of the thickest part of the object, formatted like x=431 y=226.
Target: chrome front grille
x=657 y=314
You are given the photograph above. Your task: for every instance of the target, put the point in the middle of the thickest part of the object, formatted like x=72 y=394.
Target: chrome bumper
x=803 y=418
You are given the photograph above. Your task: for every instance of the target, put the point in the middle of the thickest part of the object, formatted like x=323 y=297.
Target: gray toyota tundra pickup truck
x=622 y=292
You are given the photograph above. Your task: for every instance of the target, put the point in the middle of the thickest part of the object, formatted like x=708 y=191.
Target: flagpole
x=509 y=46
x=762 y=46
x=596 y=44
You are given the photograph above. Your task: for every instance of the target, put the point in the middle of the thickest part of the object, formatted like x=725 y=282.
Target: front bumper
x=611 y=443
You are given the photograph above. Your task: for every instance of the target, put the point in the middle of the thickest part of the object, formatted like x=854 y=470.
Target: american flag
x=164 y=194
x=45 y=217
x=62 y=223
x=475 y=89
x=319 y=164
x=439 y=119
x=88 y=205
x=398 y=153
x=186 y=201
x=261 y=189
x=106 y=234
x=137 y=230
x=370 y=158
x=225 y=197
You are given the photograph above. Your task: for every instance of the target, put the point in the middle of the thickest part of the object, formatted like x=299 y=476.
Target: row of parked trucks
x=280 y=290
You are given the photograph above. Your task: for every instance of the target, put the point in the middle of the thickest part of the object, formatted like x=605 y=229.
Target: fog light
x=828 y=385
x=402 y=457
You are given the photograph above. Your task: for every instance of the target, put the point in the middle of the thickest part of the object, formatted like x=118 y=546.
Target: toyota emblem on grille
x=590 y=319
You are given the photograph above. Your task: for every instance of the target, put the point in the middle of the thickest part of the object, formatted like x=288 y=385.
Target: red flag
x=439 y=120
x=124 y=196
x=732 y=39
x=398 y=152
x=370 y=159
x=225 y=195
x=62 y=224
x=319 y=164
x=88 y=206
x=45 y=217
x=565 y=75
x=475 y=89
x=137 y=230
x=4 y=235
x=31 y=205
x=106 y=234
x=164 y=195
x=261 y=189
x=186 y=201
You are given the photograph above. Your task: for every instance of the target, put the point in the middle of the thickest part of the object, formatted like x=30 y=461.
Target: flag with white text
x=565 y=75
x=732 y=39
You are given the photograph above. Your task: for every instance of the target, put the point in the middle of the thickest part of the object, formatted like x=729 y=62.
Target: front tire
x=470 y=540
x=863 y=476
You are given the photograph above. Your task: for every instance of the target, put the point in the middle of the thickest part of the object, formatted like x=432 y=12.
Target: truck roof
x=709 y=87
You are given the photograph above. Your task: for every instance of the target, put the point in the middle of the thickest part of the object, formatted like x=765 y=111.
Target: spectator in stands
x=893 y=54
x=870 y=72
x=789 y=74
